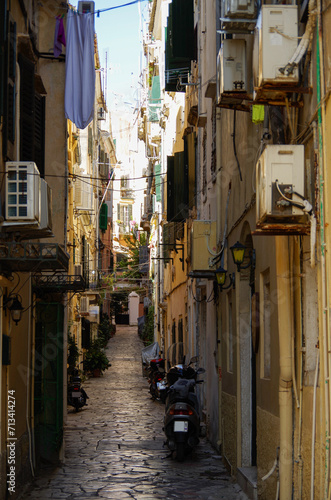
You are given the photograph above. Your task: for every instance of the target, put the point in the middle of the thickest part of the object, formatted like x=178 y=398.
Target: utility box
x=280 y=173
x=275 y=41
x=203 y=244
x=231 y=69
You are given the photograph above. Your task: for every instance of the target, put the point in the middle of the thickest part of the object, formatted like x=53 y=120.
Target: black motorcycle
x=76 y=395
x=182 y=412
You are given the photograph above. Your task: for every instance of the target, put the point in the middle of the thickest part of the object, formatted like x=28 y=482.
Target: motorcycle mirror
x=200 y=370
x=195 y=359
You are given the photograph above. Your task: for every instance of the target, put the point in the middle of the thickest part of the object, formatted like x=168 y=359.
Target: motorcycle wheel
x=180 y=452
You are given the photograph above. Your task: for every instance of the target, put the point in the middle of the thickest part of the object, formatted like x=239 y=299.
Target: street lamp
x=221 y=277
x=238 y=255
x=15 y=308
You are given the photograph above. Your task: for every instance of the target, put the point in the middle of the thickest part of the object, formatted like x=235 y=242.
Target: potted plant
x=96 y=360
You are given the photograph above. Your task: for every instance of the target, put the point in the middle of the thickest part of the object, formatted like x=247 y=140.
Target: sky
x=119 y=36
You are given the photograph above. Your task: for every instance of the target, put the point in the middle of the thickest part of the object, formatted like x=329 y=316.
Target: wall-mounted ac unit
x=203 y=244
x=22 y=192
x=231 y=71
x=46 y=207
x=275 y=41
x=279 y=172
x=85 y=7
x=240 y=9
x=84 y=306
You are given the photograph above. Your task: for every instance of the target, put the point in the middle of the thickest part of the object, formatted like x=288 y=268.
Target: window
x=266 y=325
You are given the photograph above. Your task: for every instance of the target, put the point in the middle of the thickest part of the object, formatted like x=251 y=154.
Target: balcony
x=26 y=257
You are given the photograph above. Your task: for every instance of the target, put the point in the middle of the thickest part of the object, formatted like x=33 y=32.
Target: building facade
x=247 y=169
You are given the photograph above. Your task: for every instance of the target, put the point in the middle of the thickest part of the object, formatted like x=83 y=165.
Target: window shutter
x=119 y=212
x=103 y=218
x=8 y=77
x=90 y=142
x=157 y=173
x=130 y=212
x=39 y=133
x=170 y=187
x=27 y=97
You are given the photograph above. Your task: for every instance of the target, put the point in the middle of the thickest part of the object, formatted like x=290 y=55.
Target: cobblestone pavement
x=114 y=446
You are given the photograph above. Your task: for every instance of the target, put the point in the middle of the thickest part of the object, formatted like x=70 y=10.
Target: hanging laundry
x=59 y=36
x=80 y=69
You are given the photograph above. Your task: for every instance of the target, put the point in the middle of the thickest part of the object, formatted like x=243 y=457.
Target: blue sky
x=119 y=35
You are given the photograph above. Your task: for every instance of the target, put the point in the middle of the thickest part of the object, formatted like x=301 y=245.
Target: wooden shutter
x=27 y=100
x=103 y=219
x=170 y=188
x=39 y=133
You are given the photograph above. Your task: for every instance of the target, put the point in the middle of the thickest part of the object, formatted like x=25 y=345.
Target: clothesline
x=97 y=12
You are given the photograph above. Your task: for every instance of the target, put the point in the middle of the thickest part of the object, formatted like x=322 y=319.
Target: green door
x=48 y=387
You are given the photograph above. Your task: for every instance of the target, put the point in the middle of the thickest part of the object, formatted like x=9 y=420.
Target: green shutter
x=27 y=98
x=170 y=187
x=39 y=133
x=157 y=174
x=103 y=217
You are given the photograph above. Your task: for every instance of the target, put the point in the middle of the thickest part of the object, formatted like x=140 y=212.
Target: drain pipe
x=285 y=366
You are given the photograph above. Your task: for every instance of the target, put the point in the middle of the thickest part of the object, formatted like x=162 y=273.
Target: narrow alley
x=114 y=446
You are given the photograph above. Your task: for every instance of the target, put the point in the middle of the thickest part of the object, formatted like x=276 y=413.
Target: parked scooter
x=76 y=395
x=182 y=413
x=157 y=380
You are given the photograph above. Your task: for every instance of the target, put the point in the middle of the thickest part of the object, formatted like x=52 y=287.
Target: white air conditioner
x=46 y=206
x=84 y=306
x=279 y=173
x=22 y=192
x=245 y=9
x=275 y=41
x=231 y=70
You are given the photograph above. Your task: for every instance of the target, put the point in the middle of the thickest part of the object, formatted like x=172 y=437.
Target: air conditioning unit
x=46 y=207
x=22 y=192
x=240 y=9
x=280 y=173
x=84 y=306
x=231 y=71
x=85 y=7
x=203 y=244
x=275 y=41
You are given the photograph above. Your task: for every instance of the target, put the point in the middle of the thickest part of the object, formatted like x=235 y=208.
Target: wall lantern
x=221 y=277
x=238 y=255
x=14 y=306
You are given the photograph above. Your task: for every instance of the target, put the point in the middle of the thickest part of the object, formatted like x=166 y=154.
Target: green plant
x=95 y=358
x=148 y=329
x=104 y=330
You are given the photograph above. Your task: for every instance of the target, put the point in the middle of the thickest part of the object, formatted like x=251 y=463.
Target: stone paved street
x=114 y=446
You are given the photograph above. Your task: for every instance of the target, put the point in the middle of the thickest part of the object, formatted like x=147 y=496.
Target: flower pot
x=96 y=372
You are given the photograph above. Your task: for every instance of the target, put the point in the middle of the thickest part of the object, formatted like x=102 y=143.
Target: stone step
x=247 y=479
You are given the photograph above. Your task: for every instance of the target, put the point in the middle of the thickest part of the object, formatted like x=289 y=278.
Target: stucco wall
x=229 y=429
x=267 y=443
